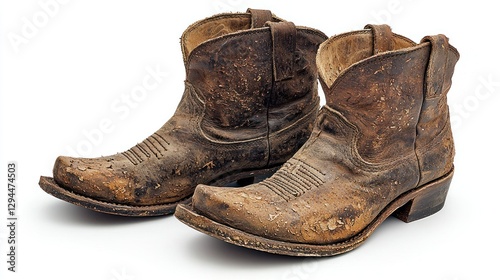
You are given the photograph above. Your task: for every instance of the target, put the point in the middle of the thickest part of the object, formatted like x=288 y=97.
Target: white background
x=73 y=70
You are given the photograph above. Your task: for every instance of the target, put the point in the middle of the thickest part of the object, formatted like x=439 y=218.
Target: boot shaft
x=434 y=144
x=393 y=91
x=253 y=79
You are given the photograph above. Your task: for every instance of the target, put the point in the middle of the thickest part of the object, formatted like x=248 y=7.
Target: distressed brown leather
x=384 y=131
x=259 y=17
x=249 y=103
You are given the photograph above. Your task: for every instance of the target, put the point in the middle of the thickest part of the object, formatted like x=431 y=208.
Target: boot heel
x=428 y=200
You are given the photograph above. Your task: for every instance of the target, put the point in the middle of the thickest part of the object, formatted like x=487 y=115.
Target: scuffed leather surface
x=221 y=126
x=382 y=98
x=234 y=74
x=363 y=153
x=434 y=142
x=343 y=50
x=165 y=172
x=217 y=26
x=234 y=77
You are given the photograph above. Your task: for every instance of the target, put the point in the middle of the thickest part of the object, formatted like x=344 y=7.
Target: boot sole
x=410 y=206
x=50 y=186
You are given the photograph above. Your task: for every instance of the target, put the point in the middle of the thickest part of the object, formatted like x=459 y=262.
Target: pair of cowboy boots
x=380 y=146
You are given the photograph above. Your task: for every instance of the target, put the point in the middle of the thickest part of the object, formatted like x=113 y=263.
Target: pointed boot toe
x=209 y=200
x=233 y=207
x=242 y=216
x=62 y=170
x=100 y=184
x=71 y=174
x=96 y=178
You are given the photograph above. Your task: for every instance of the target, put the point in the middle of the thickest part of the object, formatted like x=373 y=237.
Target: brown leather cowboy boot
x=249 y=104
x=381 y=145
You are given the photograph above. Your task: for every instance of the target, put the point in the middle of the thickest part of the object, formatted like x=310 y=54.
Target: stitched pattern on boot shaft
x=294 y=179
x=153 y=145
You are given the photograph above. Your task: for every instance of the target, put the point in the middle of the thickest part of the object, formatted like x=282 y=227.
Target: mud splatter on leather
x=383 y=132
x=233 y=118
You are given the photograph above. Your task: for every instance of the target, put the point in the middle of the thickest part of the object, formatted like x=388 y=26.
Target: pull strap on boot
x=434 y=137
x=382 y=38
x=436 y=70
x=284 y=41
x=259 y=17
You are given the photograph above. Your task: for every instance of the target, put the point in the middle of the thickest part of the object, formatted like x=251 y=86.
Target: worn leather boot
x=249 y=104
x=381 y=145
